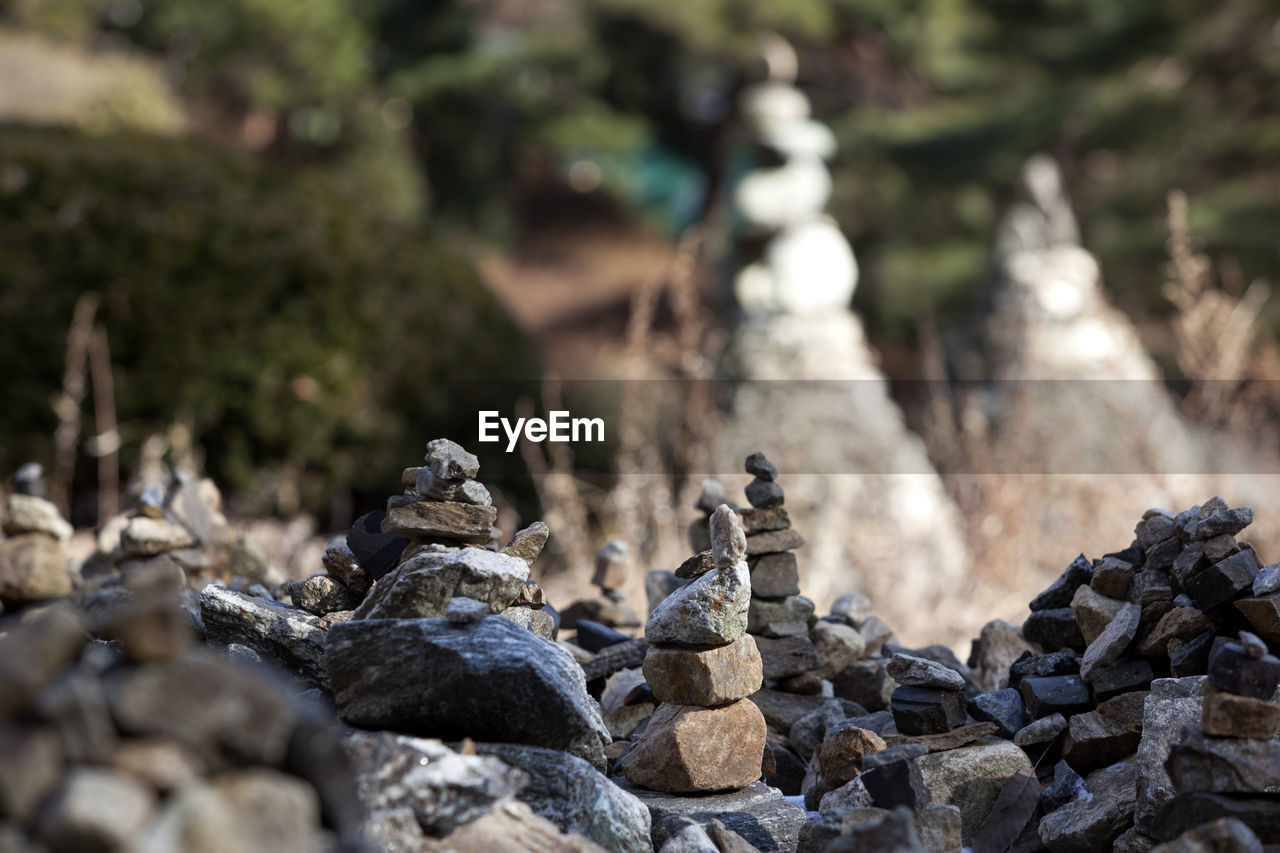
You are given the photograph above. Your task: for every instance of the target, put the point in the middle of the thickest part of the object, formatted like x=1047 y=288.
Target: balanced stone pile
x=411 y=562
x=777 y=607
x=179 y=523
x=609 y=608
x=33 y=559
x=705 y=735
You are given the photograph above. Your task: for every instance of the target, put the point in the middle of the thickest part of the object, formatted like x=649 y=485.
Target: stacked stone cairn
x=701 y=666
x=609 y=608
x=178 y=523
x=433 y=544
x=33 y=558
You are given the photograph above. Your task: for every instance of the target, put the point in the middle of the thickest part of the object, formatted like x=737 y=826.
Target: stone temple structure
x=862 y=484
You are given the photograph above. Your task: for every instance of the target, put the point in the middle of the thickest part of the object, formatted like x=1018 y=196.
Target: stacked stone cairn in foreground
x=701 y=666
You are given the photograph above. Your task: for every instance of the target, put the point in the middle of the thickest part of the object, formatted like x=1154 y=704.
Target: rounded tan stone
x=842 y=750
x=687 y=749
x=706 y=677
x=33 y=567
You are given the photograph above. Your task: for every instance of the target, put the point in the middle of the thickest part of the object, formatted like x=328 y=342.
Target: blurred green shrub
x=278 y=315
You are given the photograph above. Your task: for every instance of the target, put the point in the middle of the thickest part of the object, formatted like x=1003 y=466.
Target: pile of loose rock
x=145 y=743
x=1135 y=708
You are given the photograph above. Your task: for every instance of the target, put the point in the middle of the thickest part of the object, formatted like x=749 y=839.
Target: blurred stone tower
x=1080 y=388
x=875 y=512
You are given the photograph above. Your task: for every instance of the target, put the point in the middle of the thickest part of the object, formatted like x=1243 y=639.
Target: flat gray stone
x=919 y=672
x=422 y=587
x=443 y=788
x=491 y=681
x=570 y=793
x=289 y=636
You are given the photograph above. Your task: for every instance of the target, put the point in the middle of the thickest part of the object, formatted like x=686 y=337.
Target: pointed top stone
x=728 y=542
x=527 y=544
x=450 y=461
x=760 y=467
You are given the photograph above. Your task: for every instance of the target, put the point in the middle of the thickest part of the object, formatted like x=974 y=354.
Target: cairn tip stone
x=728 y=542
x=611 y=566
x=760 y=467
x=450 y=461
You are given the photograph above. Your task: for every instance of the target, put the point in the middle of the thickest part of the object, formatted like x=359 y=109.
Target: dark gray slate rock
x=1234 y=670
x=286 y=635
x=1053 y=629
x=758 y=813
x=443 y=788
x=892 y=777
x=1067 y=786
x=377 y=552
x=490 y=681
x=1092 y=823
x=611 y=659
x=1039 y=666
x=764 y=494
x=1126 y=677
x=1187 y=811
x=1004 y=707
x=1058 y=594
x=1172 y=704
x=1223 y=581
x=1055 y=694
x=786 y=656
x=866 y=682
x=759 y=466
x=571 y=794
x=926 y=710
x=782 y=710
x=1193 y=658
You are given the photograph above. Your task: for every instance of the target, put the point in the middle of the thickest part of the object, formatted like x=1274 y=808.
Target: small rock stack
x=407 y=563
x=33 y=559
x=705 y=735
x=180 y=522
x=777 y=607
x=609 y=608
x=1233 y=754
x=930 y=698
